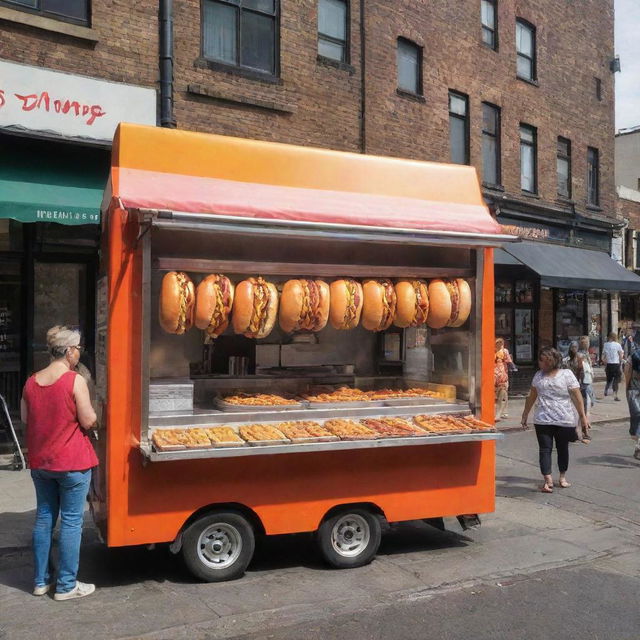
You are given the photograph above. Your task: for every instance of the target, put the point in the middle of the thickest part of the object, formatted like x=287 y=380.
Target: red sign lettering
x=2 y=99
x=44 y=102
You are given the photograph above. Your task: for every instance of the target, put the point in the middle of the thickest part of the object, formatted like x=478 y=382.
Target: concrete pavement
x=584 y=537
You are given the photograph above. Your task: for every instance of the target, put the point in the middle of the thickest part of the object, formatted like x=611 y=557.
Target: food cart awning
x=572 y=268
x=191 y=173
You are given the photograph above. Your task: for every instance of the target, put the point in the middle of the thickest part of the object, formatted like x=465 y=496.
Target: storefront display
x=515 y=317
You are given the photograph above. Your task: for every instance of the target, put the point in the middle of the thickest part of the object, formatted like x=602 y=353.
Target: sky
x=628 y=48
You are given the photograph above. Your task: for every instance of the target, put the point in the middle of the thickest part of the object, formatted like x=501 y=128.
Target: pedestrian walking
x=629 y=344
x=57 y=410
x=555 y=392
x=632 y=378
x=612 y=356
x=501 y=379
x=573 y=361
x=586 y=384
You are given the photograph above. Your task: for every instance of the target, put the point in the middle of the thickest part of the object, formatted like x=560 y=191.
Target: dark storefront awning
x=572 y=268
x=49 y=182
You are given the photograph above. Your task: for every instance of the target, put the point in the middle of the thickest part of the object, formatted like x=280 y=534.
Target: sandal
x=564 y=484
x=547 y=488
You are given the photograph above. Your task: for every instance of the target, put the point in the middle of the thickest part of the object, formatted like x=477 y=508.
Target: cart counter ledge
x=289 y=340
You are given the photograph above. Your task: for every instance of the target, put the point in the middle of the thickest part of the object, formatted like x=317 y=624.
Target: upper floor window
x=526 y=50
x=490 y=144
x=563 y=164
x=241 y=33
x=489 y=18
x=409 y=60
x=459 y=127
x=76 y=11
x=333 y=29
x=593 y=176
x=528 y=159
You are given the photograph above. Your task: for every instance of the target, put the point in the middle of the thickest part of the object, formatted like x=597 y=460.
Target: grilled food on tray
x=441 y=423
x=304 y=429
x=477 y=425
x=195 y=438
x=177 y=302
x=392 y=427
x=167 y=440
x=343 y=394
x=350 y=430
x=223 y=435
x=260 y=432
x=387 y=394
x=258 y=399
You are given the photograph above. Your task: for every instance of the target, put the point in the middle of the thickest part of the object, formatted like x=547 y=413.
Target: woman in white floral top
x=556 y=394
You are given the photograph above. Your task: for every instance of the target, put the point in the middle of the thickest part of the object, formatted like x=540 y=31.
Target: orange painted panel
x=487 y=395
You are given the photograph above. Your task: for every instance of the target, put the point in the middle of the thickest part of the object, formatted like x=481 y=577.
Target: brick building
x=522 y=90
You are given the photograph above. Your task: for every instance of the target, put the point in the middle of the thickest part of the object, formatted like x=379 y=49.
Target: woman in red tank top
x=56 y=407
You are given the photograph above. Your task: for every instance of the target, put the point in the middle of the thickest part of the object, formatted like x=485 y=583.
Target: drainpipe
x=363 y=93
x=166 y=64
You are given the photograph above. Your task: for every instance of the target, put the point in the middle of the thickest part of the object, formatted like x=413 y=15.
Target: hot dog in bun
x=346 y=303
x=412 y=308
x=255 y=307
x=379 y=307
x=177 y=298
x=460 y=293
x=214 y=297
x=439 y=304
x=304 y=305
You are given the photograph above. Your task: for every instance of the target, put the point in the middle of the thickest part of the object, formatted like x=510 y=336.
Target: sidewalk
x=604 y=410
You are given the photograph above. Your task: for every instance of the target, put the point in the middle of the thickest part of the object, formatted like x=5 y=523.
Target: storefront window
x=598 y=317
x=570 y=318
x=514 y=317
x=524 y=335
x=10 y=332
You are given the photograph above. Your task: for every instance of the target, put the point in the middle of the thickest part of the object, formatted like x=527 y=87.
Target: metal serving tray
x=227 y=407
x=410 y=402
x=310 y=447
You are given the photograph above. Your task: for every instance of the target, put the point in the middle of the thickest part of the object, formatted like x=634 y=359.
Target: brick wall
x=545 y=319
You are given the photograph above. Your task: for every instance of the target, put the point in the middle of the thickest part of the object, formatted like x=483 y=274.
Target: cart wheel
x=350 y=538
x=218 y=546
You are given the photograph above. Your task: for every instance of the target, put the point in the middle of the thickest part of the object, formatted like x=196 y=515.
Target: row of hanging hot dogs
x=253 y=305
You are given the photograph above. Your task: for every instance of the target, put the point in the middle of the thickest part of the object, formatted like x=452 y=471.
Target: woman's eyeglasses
x=79 y=347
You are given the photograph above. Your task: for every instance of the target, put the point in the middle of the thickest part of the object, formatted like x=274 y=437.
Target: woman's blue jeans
x=63 y=492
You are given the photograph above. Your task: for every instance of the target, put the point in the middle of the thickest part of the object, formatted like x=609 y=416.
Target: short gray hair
x=60 y=338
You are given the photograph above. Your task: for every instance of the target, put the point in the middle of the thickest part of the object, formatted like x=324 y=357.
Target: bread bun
x=379 y=307
x=439 y=304
x=177 y=302
x=214 y=299
x=304 y=305
x=464 y=303
x=255 y=307
x=345 y=307
x=412 y=307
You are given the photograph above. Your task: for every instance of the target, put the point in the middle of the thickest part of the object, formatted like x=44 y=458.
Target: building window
x=76 y=11
x=333 y=29
x=563 y=165
x=526 y=49
x=593 y=177
x=459 y=127
x=489 y=19
x=409 y=58
x=490 y=144
x=528 y=159
x=241 y=33
x=598 y=89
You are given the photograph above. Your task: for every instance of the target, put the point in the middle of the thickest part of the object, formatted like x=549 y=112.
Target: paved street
x=542 y=563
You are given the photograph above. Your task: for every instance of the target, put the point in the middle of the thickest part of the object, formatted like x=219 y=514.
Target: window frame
x=564 y=156
x=238 y=68
x=534 y=146
x=534 y=58
x=418 y=49
x=591 y=168
x=37 y=11
x=498 y=138
x=346 y=44
x=494 y=29
x=466 y=118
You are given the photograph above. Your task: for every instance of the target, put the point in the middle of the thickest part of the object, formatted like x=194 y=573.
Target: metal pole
x=166 y=64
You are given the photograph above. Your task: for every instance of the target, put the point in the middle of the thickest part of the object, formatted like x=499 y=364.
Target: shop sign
x=530 y=233
x=70 y=106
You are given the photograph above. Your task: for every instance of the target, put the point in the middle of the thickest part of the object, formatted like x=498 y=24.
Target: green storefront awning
x=49 y=182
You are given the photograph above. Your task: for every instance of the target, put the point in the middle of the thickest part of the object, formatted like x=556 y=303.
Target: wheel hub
x=219 y=545
x=350 y=535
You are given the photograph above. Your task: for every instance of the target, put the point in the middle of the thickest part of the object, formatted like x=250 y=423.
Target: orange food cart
x=204 y=204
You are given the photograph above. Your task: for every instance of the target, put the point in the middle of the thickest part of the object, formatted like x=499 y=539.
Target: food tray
x=169 y=447
x=244 y=408
x=314 y=439
x=413 y=400
x=356 y=404
x=396 y=435
x=199 y=446
x=266 y=443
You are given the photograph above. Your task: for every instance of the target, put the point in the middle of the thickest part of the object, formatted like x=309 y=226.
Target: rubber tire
x=369 y=552
x=190 y=551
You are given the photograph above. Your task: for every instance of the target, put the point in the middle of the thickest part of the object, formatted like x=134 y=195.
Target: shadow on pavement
x=516 y=486
x=611 y=460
